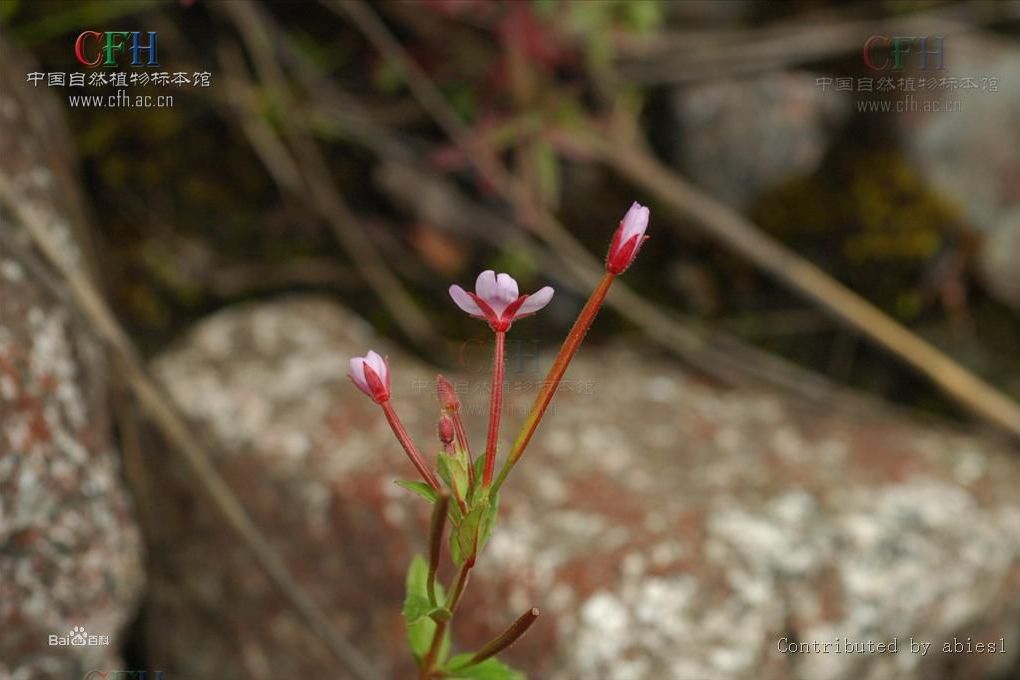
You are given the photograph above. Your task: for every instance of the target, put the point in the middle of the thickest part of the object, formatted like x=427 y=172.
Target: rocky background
x=667 y=528
x=669 y=524
x=71 y=550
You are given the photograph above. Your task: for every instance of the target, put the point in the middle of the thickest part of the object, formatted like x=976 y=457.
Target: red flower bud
x=445 y=428
x=628 y=239
x=371 y=374
x=447 y=395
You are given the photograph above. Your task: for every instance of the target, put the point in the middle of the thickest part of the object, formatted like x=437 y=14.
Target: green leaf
x=420 y=627
x=454 y=473
x=467 y=533
x=479 y=472
x=416 y=607
x=418 y=577
x=488 y=521
x=455 y=554
x=419 y=636
x=420 y=488
x=458 y=661
x=490 y=669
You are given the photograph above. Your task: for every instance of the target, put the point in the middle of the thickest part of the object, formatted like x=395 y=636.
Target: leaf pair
x=419 y=614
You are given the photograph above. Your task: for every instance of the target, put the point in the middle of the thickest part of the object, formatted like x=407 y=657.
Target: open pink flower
x=497 y=300
x=628 y=239
x=371 y=375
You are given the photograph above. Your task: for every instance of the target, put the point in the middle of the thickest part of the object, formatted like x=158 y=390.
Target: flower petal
x=464 y=301
x=357 y=372
x=507 y=288
x=536 y=301
x=485 y=285
x=378 y=365
x=635 y=222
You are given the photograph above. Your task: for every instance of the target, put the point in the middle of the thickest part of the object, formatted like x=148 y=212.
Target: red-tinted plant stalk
x=405 y=441
x=505 y=639
x=555 y=375
x=495 y=407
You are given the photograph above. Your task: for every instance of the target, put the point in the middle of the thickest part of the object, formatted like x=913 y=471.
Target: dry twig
x=304 y=162
x=705 y=55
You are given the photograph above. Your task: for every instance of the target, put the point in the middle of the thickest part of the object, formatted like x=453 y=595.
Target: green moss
x=868 y=219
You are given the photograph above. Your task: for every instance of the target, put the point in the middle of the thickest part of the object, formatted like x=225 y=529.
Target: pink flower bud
x=445 y=429
x=371 y=375
x=447 y=395
x=627 y=240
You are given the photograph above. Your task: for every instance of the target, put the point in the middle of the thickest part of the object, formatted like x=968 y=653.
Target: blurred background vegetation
x=310 y=164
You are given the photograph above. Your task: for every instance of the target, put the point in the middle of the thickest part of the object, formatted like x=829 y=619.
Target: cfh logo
x=79 y=638
x=93 y=48
x=882 y=53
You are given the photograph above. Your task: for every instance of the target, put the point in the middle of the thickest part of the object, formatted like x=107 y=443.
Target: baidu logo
x=77 y=637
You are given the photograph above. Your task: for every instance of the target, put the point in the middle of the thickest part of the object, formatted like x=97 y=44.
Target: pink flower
x=371 y=375
x=628 y=239
x=497 y=300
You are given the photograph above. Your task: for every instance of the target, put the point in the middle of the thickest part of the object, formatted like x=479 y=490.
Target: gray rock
x=70 y=547
x=970 y=155
x=997 y=262
x=740 y=137
x=666 y=527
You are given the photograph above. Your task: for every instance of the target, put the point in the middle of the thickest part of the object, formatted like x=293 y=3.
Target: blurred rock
x=970 y=155
x=667 y=528
x=70 y=548
x=998 y=260
x=740 y=137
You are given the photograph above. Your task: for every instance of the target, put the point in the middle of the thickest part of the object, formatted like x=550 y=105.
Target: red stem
x=555 y=375
x=495 y=408
x=408 y=444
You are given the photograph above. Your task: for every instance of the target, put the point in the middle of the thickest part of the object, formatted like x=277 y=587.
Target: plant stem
x=436 y=527
x=432 y=656
x=555 y=375
x=437 y=638
x=495 y=407
x=409 y=447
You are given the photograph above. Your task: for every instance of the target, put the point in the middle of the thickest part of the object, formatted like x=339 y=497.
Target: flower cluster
x=464 y=492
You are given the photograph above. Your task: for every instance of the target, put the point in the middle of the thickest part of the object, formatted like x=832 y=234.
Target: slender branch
x=316 y=182
x=495 y=406
x=676 y=57
x=555 y=375
x=178 y=432
x=408 y=444
x=436 y=527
